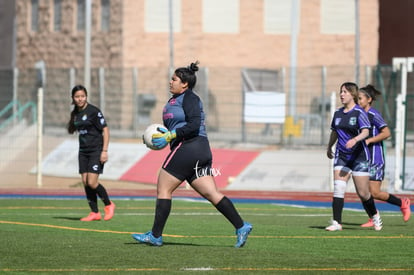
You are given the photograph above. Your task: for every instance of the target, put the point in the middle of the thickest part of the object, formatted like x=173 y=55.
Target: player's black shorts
x=190 y=159
x=90 y=162
x=376 y=171
x=358 y=163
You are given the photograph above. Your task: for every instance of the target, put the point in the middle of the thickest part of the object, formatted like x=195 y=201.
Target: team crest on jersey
x=84 y=117
x=337 y=120
x=352 y=120
x=172 y=101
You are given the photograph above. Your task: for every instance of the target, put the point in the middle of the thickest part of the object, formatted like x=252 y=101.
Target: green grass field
x=46 y=236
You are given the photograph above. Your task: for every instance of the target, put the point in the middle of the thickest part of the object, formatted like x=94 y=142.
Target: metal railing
x=18 y=113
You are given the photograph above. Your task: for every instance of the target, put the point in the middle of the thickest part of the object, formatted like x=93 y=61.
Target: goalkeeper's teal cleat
x=242 y=234
x=148 y=238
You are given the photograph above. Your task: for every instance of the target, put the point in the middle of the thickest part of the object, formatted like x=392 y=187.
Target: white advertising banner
x=264 y=107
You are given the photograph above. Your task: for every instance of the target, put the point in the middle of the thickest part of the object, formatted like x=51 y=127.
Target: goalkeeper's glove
x=160 y=140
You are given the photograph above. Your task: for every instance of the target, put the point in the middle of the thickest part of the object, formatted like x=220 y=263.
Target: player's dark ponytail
x=194 y=66
x=371 y=91
x=71 y=124
x=187 y=74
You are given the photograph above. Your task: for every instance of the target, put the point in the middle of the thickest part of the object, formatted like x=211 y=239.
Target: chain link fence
x=132 y=98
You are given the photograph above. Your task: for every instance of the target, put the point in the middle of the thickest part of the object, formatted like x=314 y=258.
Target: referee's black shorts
x=90 y=162
x=190 y=159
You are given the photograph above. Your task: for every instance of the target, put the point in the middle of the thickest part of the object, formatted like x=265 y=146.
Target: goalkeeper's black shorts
x=190 y=159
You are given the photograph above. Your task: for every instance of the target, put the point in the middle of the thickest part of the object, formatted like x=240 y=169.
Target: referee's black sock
x=101 y=191
x=162 y=211
x=337 y=207
x=226 y=207
x=92 y=199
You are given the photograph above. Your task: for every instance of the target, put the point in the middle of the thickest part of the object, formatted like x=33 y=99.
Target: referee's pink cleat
x=92 y=217
x=109 y=211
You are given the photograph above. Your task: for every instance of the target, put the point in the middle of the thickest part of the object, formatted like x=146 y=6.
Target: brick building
x=226 y=36
x=127 y=33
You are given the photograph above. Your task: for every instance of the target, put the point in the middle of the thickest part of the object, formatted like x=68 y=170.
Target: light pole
x=357 y=42
x=295 y=16
x=41 y=80
x=171 y=35
x=87 y=73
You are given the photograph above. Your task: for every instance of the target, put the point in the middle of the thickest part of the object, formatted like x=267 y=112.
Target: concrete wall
x=127 y=44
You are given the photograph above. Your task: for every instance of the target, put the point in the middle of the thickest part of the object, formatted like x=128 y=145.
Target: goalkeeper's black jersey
x=89 y=123
x=184 y=114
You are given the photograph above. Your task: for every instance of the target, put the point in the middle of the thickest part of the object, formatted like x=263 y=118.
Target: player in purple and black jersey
x=190 y=158
x=93 y=131
x=378 y=133
x=349 y=128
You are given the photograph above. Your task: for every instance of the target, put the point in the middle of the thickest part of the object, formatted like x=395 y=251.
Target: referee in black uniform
x=93 y=131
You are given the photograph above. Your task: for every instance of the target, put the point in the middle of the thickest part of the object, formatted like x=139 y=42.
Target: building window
x=221 y=16
x=277 y=16
x=337 y=17
x=105 y=14
x=57 y=15
x=157 y=15
x=34 y=21
x=80 y=25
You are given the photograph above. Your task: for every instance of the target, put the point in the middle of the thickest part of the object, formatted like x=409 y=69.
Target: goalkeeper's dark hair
x=370 y=91
x=71 y=125
x=187 y=74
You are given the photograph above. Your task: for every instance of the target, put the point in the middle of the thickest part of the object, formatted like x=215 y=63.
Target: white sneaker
x=376 y=219
x=335 y=226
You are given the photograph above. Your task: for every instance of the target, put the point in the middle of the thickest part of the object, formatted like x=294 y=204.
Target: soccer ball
x=147 y=136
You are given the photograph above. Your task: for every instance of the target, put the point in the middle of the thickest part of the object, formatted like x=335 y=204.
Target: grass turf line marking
x=78 y=229
x=207 y=269
x=81 y=270
x=182 y=236
x=62 y=227
x=65 y=207
x=207 y=207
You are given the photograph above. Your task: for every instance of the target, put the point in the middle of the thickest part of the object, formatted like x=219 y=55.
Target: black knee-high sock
x=366 y=210
x=226 y=207
x=394 y=200
x=369 y=206
x=162 y=211
x=101 y=191
x=337 y=207
x=92 y=199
